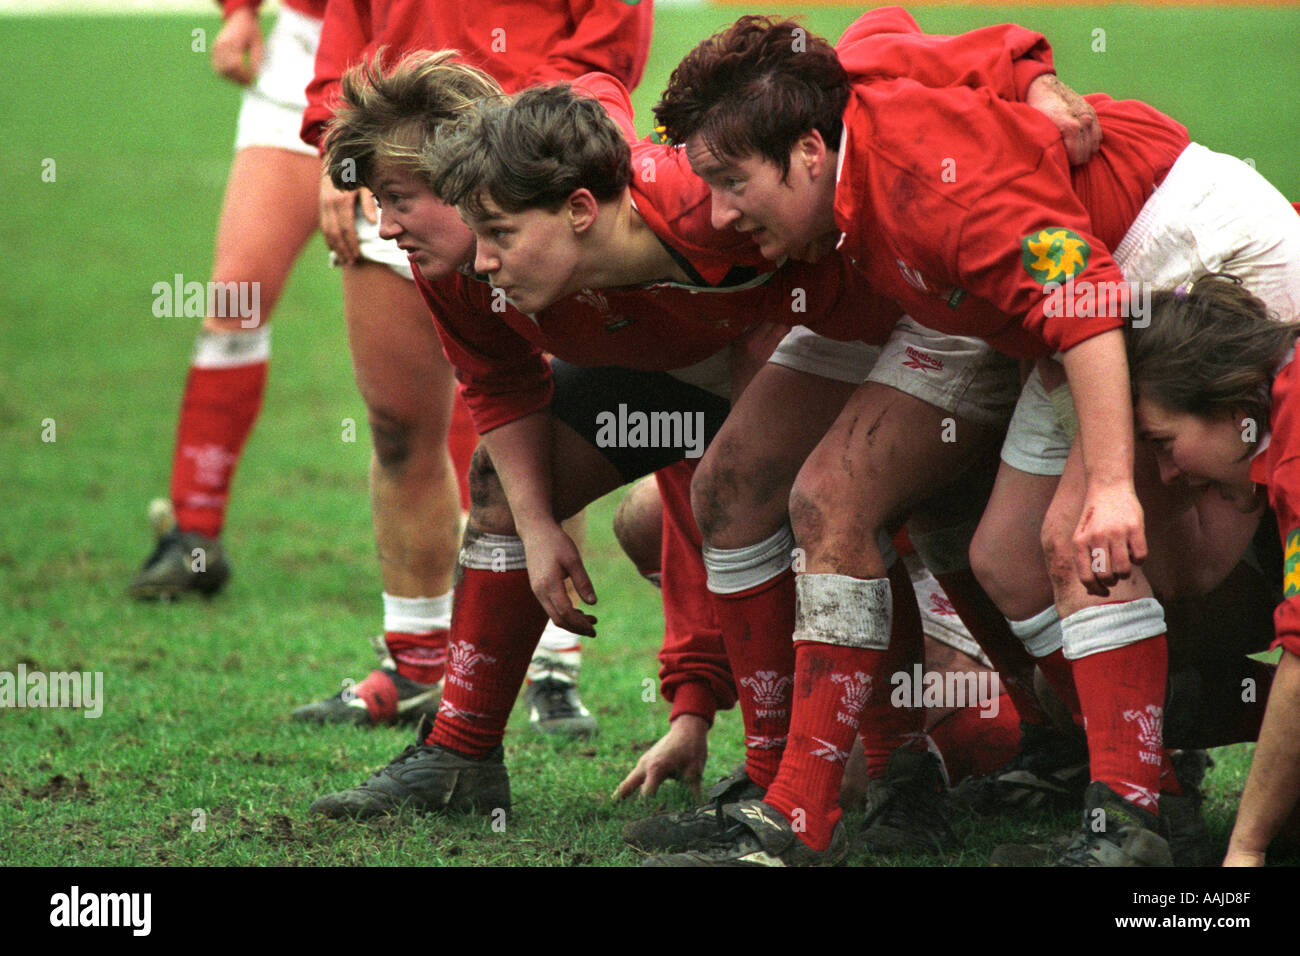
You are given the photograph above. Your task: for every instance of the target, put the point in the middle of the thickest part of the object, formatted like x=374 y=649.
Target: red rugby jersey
x=518 y=43
x=1277 y=466
x=497 y=351
x=961 y=206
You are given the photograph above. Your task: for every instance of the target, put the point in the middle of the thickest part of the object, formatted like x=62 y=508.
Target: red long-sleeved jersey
x=520 y=44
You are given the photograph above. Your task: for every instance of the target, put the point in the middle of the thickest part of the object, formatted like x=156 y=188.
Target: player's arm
x=345 y=32
x=237 y=50
x=1274 y=780
x=1110 y=536
x=521 y=453
x=609 y=36
x=1010 y=60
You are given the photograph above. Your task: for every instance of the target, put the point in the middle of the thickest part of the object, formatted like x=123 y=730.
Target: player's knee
x=638 y=525
x=489 y=509
x=808 y=513
x=728 y=487
x=984 y=563
x=1057 y=541
x=710 y=498
x=393 y=438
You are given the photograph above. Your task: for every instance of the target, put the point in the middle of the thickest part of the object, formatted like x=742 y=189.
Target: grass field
x=197 y=695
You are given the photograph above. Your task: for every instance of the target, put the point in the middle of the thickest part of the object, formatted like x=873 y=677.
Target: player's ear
x=581 y=208
x=811 y=153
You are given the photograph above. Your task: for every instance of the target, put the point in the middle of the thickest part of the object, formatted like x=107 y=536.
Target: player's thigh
x=743 y=482
x=886 y=452
x=252 y=246
x=1007 y=553
x=403 y=376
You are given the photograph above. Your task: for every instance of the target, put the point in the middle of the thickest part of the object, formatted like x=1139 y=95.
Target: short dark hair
x=756 y=87
x=532 y=151
x=1210 y=348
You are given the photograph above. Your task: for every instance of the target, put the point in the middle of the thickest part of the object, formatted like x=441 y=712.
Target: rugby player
x=962 y=208
x=401 y=371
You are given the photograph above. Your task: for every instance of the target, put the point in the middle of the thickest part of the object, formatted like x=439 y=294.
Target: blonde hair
x=394 y=116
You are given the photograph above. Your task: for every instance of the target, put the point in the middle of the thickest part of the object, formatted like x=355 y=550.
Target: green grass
x=197 y=694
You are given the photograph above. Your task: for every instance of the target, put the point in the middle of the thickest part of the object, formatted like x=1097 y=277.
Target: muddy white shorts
x=1212 y=213
x=960 y=375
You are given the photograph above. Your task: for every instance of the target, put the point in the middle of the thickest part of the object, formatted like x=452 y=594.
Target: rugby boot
x=425 y=778
x=551 y=696
x=1115 y=833
x=691 y=829
x=908 y=809
x=1050 y=772
x=756 y=834
x=182 y=562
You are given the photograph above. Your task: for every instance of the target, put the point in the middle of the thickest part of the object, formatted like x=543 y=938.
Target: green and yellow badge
x=660 y=136
x=1291 y=565
x=1054 y=255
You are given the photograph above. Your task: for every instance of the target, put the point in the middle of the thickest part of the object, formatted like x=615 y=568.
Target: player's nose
x=724 y=213
x=389 y=227
x=1169 y=472
x=486 y=261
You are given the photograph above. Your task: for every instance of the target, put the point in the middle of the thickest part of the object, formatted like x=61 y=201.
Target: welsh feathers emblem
x=768 y=689
x=1149 y=721
x=857 y=688
x=462 y=658
x=1054 y=255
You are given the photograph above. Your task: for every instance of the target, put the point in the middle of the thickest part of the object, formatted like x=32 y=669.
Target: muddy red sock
x=495 y=626
x=834 y=682
x=754 y=593
x=415 y=632
x=886 y=727
x=1122 y=694
x=223 y=394
x=975 y=741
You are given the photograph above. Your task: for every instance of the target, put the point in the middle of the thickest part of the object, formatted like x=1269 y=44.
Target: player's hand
x=679 y=754
x=553 y=558
x=1110 y=537
x=237 y=50
x=338 y=219
x=1072 y=114
x=1238 y=857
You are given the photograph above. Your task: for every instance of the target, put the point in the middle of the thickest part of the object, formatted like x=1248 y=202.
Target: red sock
x=756 y=627
x=1122 y=693
x=885 y=728
x=974 y=743
x=462 y=439
x=496 y=623
x=218 y=410
x=1014 y=665
x=806 y=789
x=420 y=657
x=838 y=688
